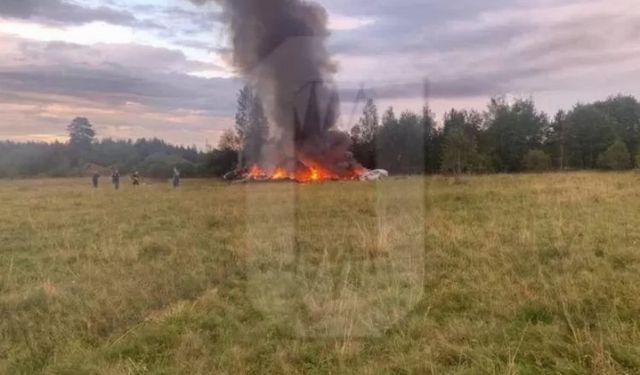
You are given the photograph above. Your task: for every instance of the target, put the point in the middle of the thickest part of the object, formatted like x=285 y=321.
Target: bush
x=220 y=162
x=617 y=157
x=537 y=161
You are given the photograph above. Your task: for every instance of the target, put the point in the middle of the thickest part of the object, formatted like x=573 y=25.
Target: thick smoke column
x=279 y=46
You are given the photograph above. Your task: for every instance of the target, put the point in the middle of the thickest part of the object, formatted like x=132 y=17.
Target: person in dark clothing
x=115 y=179
x=135 y=177
x=95 y=179
x=176 y=178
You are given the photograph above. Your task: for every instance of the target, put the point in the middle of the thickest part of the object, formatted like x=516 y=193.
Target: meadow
x=504 y=274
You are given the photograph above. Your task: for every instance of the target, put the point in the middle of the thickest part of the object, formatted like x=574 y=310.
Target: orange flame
x=309 y=173
x=315 y=175
x=280 y=174
x=255 y=172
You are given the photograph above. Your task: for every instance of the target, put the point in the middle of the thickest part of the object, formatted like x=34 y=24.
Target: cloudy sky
x=145 y=68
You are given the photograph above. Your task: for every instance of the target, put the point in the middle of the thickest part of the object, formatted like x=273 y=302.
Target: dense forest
x=509 y=136
x=83 y=155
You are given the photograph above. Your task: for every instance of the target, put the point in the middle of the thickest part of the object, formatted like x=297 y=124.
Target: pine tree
x=369 y=122
x=80 y=131
x=364 y=135
x=252 y=127
x=460 y=146
x=81 y=135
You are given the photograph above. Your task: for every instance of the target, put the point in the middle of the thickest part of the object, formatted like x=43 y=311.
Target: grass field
x=528 y=274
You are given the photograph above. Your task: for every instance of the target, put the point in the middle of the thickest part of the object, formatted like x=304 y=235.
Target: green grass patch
x=526 y=274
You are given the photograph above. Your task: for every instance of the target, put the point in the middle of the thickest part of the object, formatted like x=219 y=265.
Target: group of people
x=135 y=178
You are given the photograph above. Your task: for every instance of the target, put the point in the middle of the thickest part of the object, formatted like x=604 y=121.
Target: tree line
x=83 y=154
x=510 y=136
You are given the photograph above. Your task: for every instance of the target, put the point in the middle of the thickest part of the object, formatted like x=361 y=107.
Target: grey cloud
x=188 y=21
x=64 y=12
x=162 y=91
x=117 y=74
x=116 y=56
x=505 y=78
x=515 y=54
x=527 y=49
x=509 y=46
x=181 y=19
x=460 y=87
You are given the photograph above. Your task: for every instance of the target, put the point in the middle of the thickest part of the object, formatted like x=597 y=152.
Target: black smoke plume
x=279 y=47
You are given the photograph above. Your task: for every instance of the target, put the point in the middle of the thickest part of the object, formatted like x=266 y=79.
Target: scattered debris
x=374 y=175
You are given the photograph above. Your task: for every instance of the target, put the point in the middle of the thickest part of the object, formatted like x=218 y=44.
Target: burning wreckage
x=319 y=153
x=304 y=174
x=279 y=48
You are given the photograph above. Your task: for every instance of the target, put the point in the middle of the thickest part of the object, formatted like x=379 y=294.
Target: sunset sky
x=156 y=68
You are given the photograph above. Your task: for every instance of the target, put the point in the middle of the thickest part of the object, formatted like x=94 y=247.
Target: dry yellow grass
x=528 y=274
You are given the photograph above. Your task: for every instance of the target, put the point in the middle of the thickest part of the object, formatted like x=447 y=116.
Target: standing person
x=135 y=177
x=176 y=177
x=95 y=179
x=115 y=179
